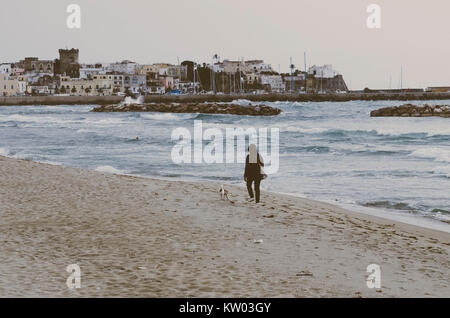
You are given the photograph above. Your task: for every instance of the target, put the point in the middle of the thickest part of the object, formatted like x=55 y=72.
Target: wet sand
x=139 y=237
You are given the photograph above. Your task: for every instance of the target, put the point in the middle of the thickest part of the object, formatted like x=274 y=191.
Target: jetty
x=201 y=108
x=409 y=110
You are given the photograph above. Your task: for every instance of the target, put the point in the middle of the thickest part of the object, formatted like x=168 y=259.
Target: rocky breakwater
x=232 y=109
x=410 y=110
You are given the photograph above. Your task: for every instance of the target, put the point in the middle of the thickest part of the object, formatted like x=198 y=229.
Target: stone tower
x=67 y=64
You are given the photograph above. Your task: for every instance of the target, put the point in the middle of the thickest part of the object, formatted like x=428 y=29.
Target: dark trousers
x=257 y=182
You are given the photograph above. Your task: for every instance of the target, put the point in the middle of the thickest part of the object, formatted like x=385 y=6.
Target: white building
x=250 y=66
x=135 y=83
x=10 y=86
x=124 y=67
x=5 y=68
x=275 y=82
x=41 y=90
x=88 y=71
x=325 y=71
x=257 y=66
x=218 y=67
x=156 y=90
x=21 y=86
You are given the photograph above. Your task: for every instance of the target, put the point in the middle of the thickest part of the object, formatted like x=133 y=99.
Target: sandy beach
x=140 y=237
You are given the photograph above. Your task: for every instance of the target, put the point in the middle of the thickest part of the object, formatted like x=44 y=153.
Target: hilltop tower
x=67 y=64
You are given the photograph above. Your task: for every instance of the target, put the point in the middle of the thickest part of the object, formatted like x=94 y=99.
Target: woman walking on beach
x=253 y=173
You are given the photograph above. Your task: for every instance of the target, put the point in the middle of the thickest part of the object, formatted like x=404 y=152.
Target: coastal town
x=67 y=76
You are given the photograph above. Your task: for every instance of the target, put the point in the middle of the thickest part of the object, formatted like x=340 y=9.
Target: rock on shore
x=233 y=109
x=409 y=110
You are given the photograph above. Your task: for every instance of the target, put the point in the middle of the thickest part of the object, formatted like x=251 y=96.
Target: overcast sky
x=414 y=34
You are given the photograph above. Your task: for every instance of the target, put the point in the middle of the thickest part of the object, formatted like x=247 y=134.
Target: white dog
x=224 y=194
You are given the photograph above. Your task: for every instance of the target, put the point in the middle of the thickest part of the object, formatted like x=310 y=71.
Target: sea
x=396 y=168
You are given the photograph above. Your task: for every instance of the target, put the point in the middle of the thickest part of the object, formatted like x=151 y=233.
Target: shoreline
x=145 y=237
x=405 y=219
x=102 y=100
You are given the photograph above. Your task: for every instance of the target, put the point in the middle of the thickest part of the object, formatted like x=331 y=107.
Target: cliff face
x=410 y=110
x=232 y=109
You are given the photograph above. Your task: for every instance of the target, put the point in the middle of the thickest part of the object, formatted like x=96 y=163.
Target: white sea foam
x=167 y=116
x=4 y=152
x=85 y=131
x=109 y=169
x=129 y=100
x=105 y=121
x=53 y=163
x=442 y=217
x=37 y=119
x=444 y=170
x=381 y=128
x=438 y=154
x=242 y=102
x=308 y=130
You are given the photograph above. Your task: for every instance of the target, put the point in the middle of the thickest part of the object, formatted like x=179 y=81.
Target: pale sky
x=414 y=34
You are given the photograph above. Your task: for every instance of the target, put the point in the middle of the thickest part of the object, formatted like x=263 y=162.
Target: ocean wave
x=105 y=121
x=49 y=162
x=83 y=131
x=109 y=169
x=4 y=152
x=313 y=149
x=39 y=119
x=422 y=210
x=442 y=171
x=390 y=205
x=287 y=104
x=167 y=116
x=413 y=130
x=361 y=132
x=312 y=130
x=441 y=211
x=209 y=116
x=437 y=154
x=361 y=126
x=19 y=118
x=379 y=152
x=242 y=102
